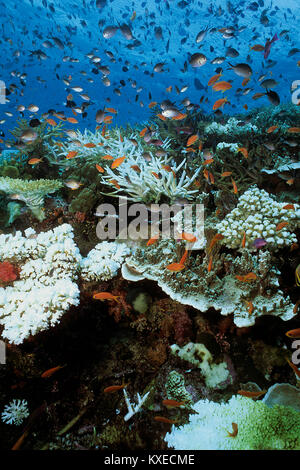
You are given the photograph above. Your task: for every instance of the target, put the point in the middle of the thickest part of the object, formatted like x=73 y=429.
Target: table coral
x=31 y=192
x=218 y=288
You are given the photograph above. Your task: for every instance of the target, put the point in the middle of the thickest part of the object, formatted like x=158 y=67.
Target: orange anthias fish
x=90 y=145
x=162 y=419
x=294 y=130
x=208 y=162
x=226 y=173
x=244 y=240
x=107 y=157
x=220 y=103
x=281 y=225
x=105 y=296
x=114 y=388
x=99 y=168
x=111 y=110
x=289 y=206
x=169 y=89
x=152 y=240
x=217 y=237
x=271 y=129
x=248 y=394
x=209 y=267
x=34 y=161
x=247 y=277
x=184 y=257
x=72 y=154
x=117 y=162
x=72 y=120
x=257 y=48
x=222 y=86
x=245 y=81
x=235 y=188
x=51 y=122
x=293 y=333
x=179 y=117
x=173 y=403
x=234 y=432
x=152 y=104
x=188 y=237
x=192 y=140
x=136 y=168
x=295 y=369
x=50 y=372
x=250 y=306
x=107 y=119
x=214 y=79
x=162 y=117
x=244 y=151
x=115 y=183
x=175 y=267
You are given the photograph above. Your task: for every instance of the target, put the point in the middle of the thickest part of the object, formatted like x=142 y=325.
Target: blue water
x=164 y=31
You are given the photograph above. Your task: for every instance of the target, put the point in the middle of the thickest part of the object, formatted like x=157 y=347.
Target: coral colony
x=150 y=226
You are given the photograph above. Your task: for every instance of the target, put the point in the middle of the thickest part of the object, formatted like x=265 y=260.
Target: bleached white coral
x=232 y=147
x=258 y=427
x=258 y=214
x=233 y=126
x=198 y=354
x=15 y=412
x=147 y=181
x=49 y=263
x=104 y=261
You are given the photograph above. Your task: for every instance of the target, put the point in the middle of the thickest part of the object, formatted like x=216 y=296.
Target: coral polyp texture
x=239 y=424
x=259 y=215
x=45 y=290
x=103 y=262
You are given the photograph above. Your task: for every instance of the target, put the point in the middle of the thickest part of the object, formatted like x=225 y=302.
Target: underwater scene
x=149 y=225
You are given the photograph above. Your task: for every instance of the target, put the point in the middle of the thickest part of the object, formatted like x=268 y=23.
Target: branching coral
x=45 y=289
x=104 y=261
x=30 y=192
x=150 y=181
x=259 y=216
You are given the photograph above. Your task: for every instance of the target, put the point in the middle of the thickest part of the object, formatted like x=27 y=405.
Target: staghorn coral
x=258 y=215
x=219 y=288
x=30 y=192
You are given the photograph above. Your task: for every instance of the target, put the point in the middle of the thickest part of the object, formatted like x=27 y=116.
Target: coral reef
x=258 y=427
x=48 y=264
x=260 y=216
x=15 y=412
x=175 y=388
x=198 y=355
x=30 y=192
x=218 y=288
x=104 y=261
